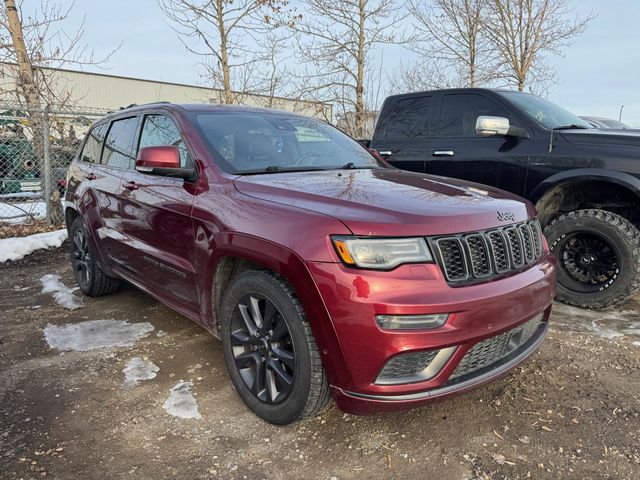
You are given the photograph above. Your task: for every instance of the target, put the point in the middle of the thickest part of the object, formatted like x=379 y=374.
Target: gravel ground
x=571 y=411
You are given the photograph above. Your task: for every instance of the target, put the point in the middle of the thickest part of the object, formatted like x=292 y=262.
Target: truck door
x=459 y=153
x=402 y=134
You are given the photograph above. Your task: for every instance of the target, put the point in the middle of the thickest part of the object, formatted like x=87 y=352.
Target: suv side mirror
x=163 y=161
x=488 y=126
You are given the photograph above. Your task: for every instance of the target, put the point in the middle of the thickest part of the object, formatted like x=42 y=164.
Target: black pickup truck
x=585 y=182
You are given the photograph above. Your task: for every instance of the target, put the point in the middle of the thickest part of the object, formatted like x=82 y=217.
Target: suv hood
x=603 y=137
x=391 y=202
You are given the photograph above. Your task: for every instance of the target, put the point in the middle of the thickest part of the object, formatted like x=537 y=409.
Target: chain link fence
x=36 y=148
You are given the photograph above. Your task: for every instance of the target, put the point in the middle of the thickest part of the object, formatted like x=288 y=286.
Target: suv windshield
x=249 y=142
x=547 y=114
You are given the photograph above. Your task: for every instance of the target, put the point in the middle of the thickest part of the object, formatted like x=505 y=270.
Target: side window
x=460 y=111
x=409 y=118
x=160 y=130
x=93 y=146
x=118 y=148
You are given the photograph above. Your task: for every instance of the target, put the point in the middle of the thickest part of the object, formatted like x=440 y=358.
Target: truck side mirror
x=488 y=126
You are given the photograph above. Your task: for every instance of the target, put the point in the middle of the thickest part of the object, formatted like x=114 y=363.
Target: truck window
x=118 y=148
x=409 y=118
x=93 y=146
x=460 y=111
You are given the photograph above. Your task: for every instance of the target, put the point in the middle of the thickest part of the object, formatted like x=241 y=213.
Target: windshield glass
x=250 y=142
x=547 y=114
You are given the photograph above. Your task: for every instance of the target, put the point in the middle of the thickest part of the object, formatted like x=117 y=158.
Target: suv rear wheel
x=598 y=256
x=89 y=276
x=269 y=350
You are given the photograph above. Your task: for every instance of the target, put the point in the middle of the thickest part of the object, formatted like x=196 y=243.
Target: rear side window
x=409 y=118
x=118 y=148
x=160 y=130
x=93 y=146
x=460 y=112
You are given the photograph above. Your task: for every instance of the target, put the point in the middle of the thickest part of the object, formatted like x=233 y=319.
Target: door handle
x=131 y=186
x=90 y=176
x=386 y=153
x=443 y=153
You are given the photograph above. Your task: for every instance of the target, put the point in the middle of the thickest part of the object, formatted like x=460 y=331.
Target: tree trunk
x=360 y=113
x=224 y=54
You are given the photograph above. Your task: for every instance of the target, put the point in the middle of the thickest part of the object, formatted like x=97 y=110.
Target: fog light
x=411 y=322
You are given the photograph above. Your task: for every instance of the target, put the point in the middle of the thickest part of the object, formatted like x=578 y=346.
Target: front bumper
x=354 y=297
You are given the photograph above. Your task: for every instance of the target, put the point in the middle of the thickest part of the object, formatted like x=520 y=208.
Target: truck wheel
x=269 y=350
x=89 y=276
x=598 y=256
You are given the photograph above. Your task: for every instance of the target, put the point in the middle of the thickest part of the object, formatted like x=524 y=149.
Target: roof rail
x=132 y=105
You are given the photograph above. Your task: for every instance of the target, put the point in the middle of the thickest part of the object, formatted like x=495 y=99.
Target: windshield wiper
x=278 y=169
x=573 y=126
x=348 y=166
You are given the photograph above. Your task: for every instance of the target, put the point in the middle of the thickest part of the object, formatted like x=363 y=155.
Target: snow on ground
x=93 y=334
x=139 y=369
x=61 y=293
x=15 y=248
x=19 y=212
x=181 y=403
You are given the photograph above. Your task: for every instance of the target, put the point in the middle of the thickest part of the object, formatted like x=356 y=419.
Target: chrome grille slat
x=487 y=254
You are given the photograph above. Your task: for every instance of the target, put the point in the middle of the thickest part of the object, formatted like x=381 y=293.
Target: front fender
x=290 y=266
x=585 y=174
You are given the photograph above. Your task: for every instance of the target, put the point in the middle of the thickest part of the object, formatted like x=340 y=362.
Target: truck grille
x=482 y=255
x=492 y=350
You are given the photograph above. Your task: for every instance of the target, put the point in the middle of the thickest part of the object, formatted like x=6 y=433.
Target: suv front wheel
x=598 y=256
x=269 y=350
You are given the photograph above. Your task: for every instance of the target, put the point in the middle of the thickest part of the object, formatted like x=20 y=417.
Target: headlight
x=381 y=253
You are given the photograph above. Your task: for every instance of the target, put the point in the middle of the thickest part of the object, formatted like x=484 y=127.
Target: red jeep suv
x=324 y=271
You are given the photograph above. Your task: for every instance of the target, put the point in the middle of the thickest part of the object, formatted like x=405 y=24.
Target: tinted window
x=93 y=145
x=255 y=142
x=543 y=111
x=409 y=118
x=160 y=130
x=118 y=148
x=460 y=112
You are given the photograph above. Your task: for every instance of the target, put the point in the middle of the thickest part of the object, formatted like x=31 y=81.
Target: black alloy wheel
x=81 y=258
x=590 y=260
x=263 y=350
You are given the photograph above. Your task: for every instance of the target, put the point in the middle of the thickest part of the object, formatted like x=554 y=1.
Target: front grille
x=487 y=352
x=488 y=254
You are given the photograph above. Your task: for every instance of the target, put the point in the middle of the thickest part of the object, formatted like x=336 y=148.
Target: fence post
x=47 y=167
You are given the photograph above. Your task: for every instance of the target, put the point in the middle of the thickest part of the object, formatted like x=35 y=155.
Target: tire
x=89 y=275
x=262 y=355
x=573 y=239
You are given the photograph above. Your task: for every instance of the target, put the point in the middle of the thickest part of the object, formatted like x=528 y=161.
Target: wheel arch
x=617 y=192
x=234 y=253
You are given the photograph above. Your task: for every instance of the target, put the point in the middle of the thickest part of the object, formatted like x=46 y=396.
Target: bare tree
x=38 y=45
x=335 y=39
x=423 y=74
x=227 y=34
x=451 y=32
x=524 y=31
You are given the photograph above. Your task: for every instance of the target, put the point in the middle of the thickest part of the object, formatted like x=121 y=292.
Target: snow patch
x=637 y=344
x=93 y=334
x=15 y=248
x=181 y=402
x=20 y=212
x=139 y=369
x=61 y=293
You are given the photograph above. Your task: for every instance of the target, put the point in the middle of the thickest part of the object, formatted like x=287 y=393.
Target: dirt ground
x=572 y=411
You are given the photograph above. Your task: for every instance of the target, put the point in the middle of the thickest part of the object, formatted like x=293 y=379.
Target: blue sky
x=597 y=74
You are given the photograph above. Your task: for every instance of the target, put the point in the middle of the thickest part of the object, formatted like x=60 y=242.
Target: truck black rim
x=262 y=349
x=589 y=260
x=81 y=258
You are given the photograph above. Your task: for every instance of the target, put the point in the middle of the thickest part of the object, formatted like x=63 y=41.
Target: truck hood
x=602 y=137
x=391 y=202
